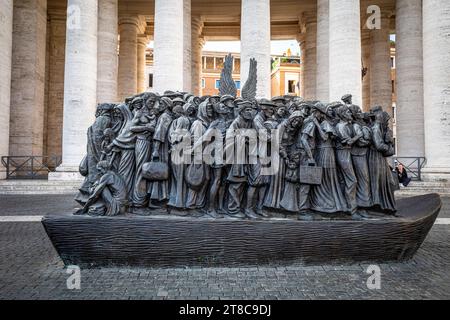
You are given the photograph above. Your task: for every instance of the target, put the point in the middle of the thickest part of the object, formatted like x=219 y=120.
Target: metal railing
x=30 y=167
x=38 y=167
x=413 y=166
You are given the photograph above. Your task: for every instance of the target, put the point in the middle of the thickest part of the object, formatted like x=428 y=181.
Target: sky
x=278 y=47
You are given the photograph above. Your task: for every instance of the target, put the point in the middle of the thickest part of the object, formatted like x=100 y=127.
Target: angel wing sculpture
x=227 y=85
x=249 y=90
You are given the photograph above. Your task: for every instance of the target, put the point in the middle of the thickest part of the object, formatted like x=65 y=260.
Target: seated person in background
x=396 y=184
x=402 y=175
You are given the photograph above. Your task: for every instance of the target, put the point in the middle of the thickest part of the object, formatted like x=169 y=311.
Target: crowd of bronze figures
x=333 y=158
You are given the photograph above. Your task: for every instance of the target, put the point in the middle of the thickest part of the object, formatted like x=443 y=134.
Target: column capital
x=142 y=26
x=301 y=38
x=201 y=41
x=143 y=39
x=129 y=20
x=197 y=24
x=310 y=23
x=308 y=17
x=136 y=20
x=301 y=25
x=197 y=21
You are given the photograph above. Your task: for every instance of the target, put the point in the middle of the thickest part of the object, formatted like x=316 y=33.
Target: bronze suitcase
x=311 y=175
x=155 y=171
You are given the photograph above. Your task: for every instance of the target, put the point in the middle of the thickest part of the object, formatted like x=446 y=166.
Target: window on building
x=150 y=80
x=393 y=86
x=238 y=84
x=209 y=63
x=217 y=84
x=203 y=83
x=291 y=86
x=392 y=62
x=219 y=63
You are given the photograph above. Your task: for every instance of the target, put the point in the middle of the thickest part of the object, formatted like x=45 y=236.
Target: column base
x=436 y=174
x=64 y=173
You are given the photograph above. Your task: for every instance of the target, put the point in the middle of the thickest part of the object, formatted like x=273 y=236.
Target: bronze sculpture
x=108 y=195
x=327 y=158
x=245 y=178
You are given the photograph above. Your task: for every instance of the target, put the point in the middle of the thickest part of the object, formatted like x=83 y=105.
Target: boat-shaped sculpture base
x=173 y=241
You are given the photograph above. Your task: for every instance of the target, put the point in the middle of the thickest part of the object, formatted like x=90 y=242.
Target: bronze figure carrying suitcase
x=310 y=175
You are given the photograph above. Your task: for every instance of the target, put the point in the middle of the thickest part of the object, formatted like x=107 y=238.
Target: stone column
x=255 y=43
x=380 y=62
x=168 y=66
x=46 y=83
x=128 y=28
x=142 y=42
x=366 y=64
x=345 y=50
x=310 y=67
x=436 y=70
x=107 y=51
x=197 y=46
x=55 y=102
x=28 y=78
x=301 y=43
x=187 y=49
x=409 y=74
x=323 y=57
x=80 y=85
x=6 y=34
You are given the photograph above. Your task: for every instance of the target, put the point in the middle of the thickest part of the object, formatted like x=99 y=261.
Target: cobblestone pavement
x=31 y=269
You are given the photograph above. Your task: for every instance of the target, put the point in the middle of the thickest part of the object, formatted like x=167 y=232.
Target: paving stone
x=31 y=269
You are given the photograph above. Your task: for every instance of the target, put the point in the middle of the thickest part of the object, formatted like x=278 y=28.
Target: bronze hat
x=226 y=97
x=167 y=101
x=137 y=100
x=376 y=109
x=279 y=98
x=178 y=100
x=245 y=104
x=346 y=97
x=266 y=103
x=105 y=106
x=173 y=94
x=215 y=96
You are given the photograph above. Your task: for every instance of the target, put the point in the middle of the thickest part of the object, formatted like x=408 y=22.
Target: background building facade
x=285 y=73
